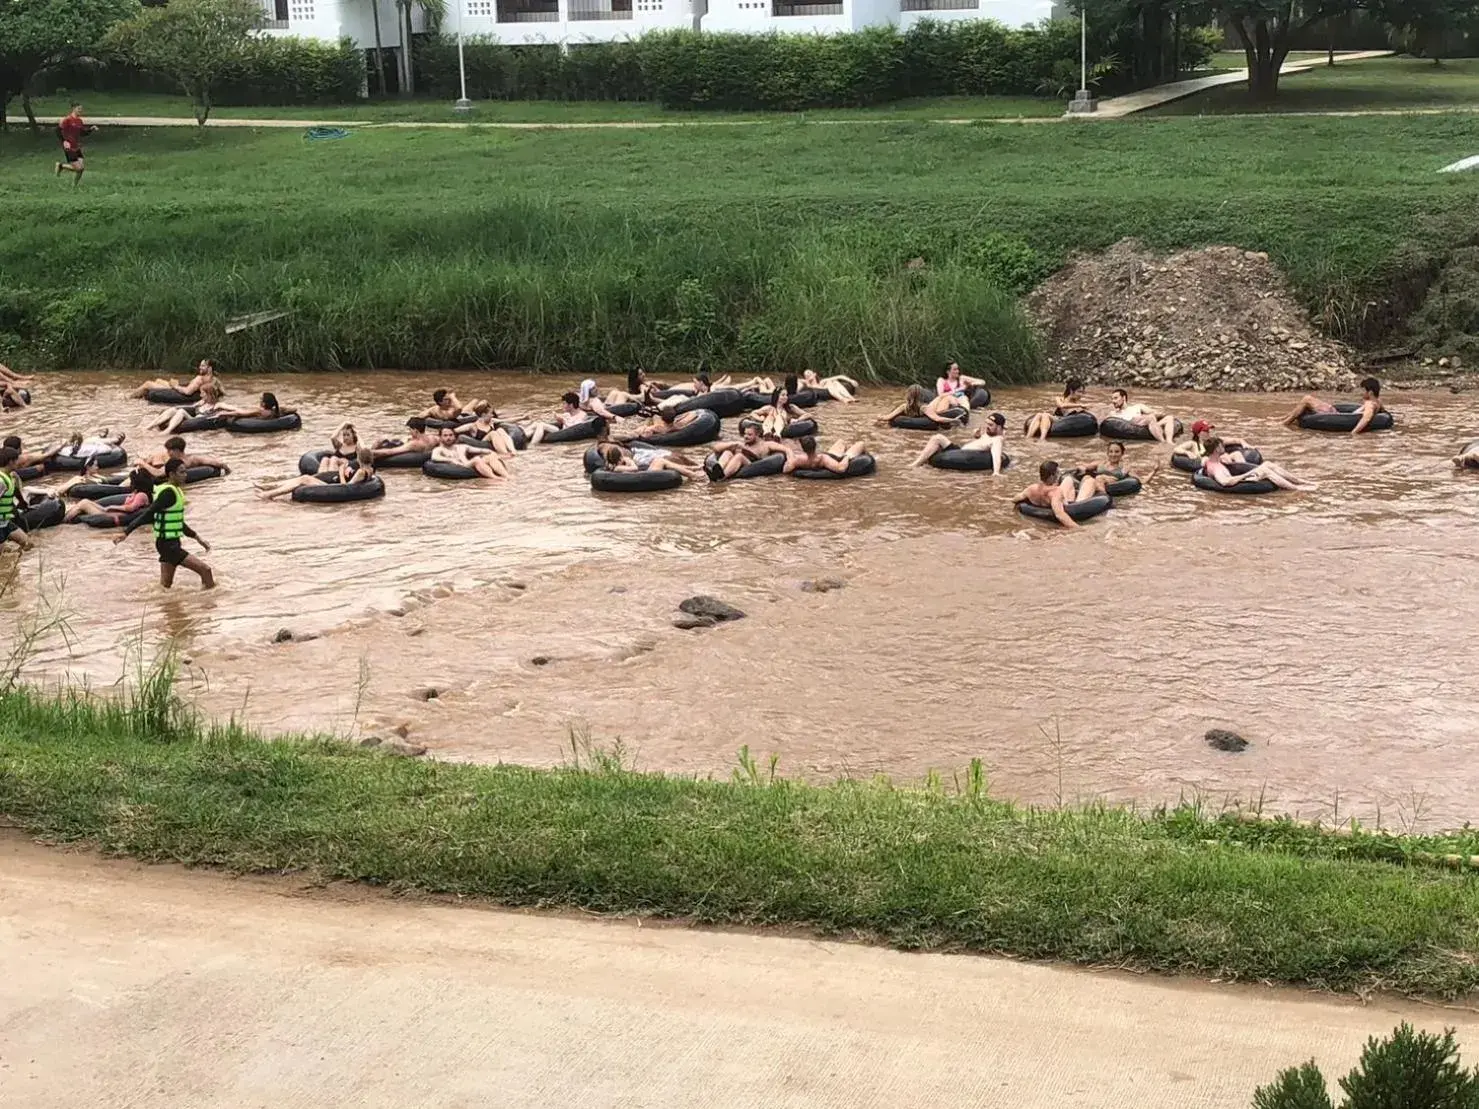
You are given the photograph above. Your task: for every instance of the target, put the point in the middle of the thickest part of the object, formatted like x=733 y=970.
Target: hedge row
x=687 y=69
x=269 y=71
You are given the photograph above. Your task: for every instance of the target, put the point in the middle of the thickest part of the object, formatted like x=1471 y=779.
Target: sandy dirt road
x=131 y=986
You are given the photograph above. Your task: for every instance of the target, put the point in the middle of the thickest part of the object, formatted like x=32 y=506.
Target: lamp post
x=463 y=104
x=1083 y=101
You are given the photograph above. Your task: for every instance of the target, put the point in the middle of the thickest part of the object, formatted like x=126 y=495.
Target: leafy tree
x=1428 y=26
x=38 y=34
x=1266 y=29
x=197 y=42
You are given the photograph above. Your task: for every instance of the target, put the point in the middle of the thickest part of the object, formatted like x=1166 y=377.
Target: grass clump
x=936 y=868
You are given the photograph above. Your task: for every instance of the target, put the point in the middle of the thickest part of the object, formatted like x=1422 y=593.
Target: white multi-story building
x=571 y=22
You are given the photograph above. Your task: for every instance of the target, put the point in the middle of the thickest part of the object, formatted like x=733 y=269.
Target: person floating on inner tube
x=419 y=442
x=11 y=396
x=341 y=471
x=1196 y=446
x=483 y=462
x=1370 y=406
x=25 y=459
x=446 y=406
x=1113 y=467
x=210 y=405
x=570 y=415
x=205 y=374
x=174 y=450
x=1053 y=490
x=167 y=513
x=1162 y=427
x=591 y=403
x=837 y=386
x=10 y=377
x=1467 y=459
x=639 y=390
x=774 y=416
x=10 y=495
x=661 y=422
x=101 y=441
x=485 y=428
x=698 y=385
x=140 y=492
x=953 y=383
x=1215 y=467
x=267 y=409
x=935 y=409
x=614 y=458
x=1072 y=400
x=734 y=455
x=802 y=454
x=991 y=437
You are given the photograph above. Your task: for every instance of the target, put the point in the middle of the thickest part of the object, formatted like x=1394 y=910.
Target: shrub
x=1407 y=1070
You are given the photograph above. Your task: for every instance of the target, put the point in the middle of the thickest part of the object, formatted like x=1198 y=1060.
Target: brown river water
x=1331 y=629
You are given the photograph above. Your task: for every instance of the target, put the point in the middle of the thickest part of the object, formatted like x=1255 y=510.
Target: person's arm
x=1060 y=512
x=598 y=407
x=942 y=387
x=972 y=382
x=149 y=512
x=836 y=465
x=206 y=460
x=1368 y=412
x=150 y=468
x=441 y=454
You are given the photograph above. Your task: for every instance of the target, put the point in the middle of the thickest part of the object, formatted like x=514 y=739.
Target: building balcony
x=528 y=11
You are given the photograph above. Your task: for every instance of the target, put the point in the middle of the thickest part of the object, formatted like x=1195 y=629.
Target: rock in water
x=1224 y=740
x=822 y=585
x=687 y=622
x=704 y=605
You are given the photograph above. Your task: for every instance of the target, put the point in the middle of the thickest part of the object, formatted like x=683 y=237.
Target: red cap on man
x=1201 y=427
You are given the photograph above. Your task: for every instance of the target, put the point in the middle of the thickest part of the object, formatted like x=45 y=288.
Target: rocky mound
x=1216 y=318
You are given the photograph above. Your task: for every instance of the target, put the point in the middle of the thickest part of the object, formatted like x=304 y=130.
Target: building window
x=939 y=5
x=784 y=7
x=301 y=10
x=600 y=9
x=482 y=8
x=528 y=11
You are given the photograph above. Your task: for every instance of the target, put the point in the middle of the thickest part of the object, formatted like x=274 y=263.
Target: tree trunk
x=379 y=48
x=30 y=113
x=201 y=99
x=1265 y=52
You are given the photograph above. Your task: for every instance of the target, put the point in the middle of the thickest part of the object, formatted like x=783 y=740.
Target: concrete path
x=160 y=988
x=1120 y=106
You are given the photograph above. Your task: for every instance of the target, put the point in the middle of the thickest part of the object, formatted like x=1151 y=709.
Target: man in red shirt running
x=72 y=128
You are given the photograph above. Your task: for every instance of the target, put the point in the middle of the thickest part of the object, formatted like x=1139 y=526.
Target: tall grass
x=874 y=249
x=935 y=867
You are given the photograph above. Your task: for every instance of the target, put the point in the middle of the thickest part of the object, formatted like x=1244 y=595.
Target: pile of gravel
x=1215 y=318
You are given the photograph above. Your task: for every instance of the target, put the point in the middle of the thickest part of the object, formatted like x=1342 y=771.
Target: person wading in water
x=167 y=512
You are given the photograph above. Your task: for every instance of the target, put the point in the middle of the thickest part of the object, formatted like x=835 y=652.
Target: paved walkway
x=1120 y=106
x=1115 y=108
x=157 y=987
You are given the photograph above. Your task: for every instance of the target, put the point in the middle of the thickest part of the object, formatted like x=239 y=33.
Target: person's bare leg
x=166 y=574
x=287 y=487
x=936 y=444
x=202 y=570
x=1307 y=404
x=82 y=508
x=488 y=466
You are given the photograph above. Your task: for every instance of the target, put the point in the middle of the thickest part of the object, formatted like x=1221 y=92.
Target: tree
x=197 y=42
x=38 y=34
x=379 y=47
x=1267 y=27
x=1427 y=26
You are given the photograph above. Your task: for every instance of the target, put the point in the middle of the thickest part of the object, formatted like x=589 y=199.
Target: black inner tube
x=448 y=470
x=924 y=423
x=1077 y=510
x=762 y=467
x=635 y=481
x=200 y=423
x=726 y=403
x=1114 y=427
x=1344 y=418
x=1248 y=488
x=171 y=398
x=104 y=460
x=422 y=423
x=327 y=492
x=858 y=466
x=703 y=429
x=255 y=425
x=586 y=429
x=954 y=458
x=1075 y=425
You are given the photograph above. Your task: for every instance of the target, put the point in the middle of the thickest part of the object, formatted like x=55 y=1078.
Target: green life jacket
x=169 y=523
x=9 y=485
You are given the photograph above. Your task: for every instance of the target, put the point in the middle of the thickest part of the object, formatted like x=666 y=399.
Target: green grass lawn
x=1374 y=84
x=766 y=246
x=105 y=104
x=942 y=868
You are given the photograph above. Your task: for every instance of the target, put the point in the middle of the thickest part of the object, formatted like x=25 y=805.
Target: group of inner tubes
x=451 y=440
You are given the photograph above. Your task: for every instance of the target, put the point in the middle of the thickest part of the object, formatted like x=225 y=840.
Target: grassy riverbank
x=879 y=248
x=942 y=868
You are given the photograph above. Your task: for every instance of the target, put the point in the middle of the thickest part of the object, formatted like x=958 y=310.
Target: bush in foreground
x=1407 y=1070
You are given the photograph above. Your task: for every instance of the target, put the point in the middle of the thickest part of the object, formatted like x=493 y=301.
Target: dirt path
x=135 y=986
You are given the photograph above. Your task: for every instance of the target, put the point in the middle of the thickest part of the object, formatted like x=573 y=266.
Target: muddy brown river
x=1332 y=629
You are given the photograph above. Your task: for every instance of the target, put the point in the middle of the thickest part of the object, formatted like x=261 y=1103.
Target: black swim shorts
x=170 y=552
